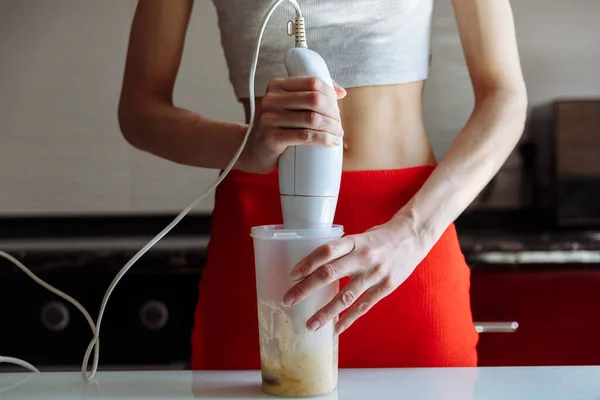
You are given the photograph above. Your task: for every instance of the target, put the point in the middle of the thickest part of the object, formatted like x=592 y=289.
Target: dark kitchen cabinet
x=148 y=320
x=557 y=309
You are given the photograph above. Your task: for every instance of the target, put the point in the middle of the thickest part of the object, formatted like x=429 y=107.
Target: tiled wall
x=61 y=67
x=559 y=43
x=61 y=151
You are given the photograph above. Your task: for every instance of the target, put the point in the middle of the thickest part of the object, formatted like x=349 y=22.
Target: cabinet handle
x=496 y=327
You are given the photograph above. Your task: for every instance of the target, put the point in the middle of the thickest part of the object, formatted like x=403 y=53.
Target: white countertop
x=548 y=383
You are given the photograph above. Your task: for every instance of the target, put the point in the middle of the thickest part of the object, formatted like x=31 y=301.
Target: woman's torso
x=377 y=49
x=424 y=323
x=383 y=127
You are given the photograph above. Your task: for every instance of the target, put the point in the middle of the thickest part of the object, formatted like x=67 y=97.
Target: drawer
x=556 y=311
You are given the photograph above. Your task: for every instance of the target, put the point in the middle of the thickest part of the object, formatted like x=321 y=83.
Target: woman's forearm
x=474 y=158
x=180 y=135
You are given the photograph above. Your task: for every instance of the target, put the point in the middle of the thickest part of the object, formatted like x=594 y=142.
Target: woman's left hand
x=377 y=262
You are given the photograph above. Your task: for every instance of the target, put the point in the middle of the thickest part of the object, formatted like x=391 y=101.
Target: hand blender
x=309 y=176
x=293 y=357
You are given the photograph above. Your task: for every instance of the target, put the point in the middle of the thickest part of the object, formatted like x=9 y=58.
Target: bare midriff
x=383 y=127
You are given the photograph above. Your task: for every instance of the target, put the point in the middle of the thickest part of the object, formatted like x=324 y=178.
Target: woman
x=405 y=284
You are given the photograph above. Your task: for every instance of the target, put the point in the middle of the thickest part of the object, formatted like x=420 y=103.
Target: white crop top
x=363 y=42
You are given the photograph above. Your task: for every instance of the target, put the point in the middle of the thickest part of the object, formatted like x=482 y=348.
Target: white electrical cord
x=57 y=292
x=94 y=344
x=20 y=363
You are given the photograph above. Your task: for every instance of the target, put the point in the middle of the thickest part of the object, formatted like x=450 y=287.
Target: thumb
x=340 y=91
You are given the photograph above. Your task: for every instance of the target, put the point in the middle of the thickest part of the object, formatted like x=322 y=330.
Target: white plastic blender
x=309 y=176
x=296 y=362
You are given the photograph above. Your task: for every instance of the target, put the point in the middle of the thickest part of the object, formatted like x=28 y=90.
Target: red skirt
x=426 y=322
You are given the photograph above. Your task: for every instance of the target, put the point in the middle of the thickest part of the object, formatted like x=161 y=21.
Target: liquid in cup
x=295 y=362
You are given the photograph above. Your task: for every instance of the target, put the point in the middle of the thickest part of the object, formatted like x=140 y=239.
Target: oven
x=149 y=317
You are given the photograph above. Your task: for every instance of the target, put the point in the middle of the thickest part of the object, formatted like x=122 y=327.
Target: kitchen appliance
x=577 y=162
x=309 y=176
x=150 y=326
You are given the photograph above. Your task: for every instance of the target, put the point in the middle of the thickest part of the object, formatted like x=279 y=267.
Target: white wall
x=559 y=44
x=61 y=150
x=60 y=71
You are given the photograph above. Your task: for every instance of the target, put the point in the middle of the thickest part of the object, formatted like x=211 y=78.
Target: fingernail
x=338 y=86
x=296 y=275
x=340 y=329
x=288 y=299
x=337 y=141
x=314 y=325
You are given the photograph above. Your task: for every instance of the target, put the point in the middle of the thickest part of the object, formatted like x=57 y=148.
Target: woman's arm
x=381 y=259
x=148 y=118
x=494 y=128
x=294 y=110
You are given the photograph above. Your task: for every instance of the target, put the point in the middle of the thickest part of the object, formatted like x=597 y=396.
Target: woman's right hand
x=294 y=111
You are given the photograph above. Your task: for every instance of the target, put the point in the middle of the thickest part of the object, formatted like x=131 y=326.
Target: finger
x=305 y=83
x=322 y=255
x=323 y=276
x=307 y=120
x=364 y=304
x=309 y=101
x=339 y=91
x=344 y=299
x=283 y=138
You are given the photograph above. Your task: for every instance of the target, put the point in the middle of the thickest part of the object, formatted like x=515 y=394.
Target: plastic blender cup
x=295 y=362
